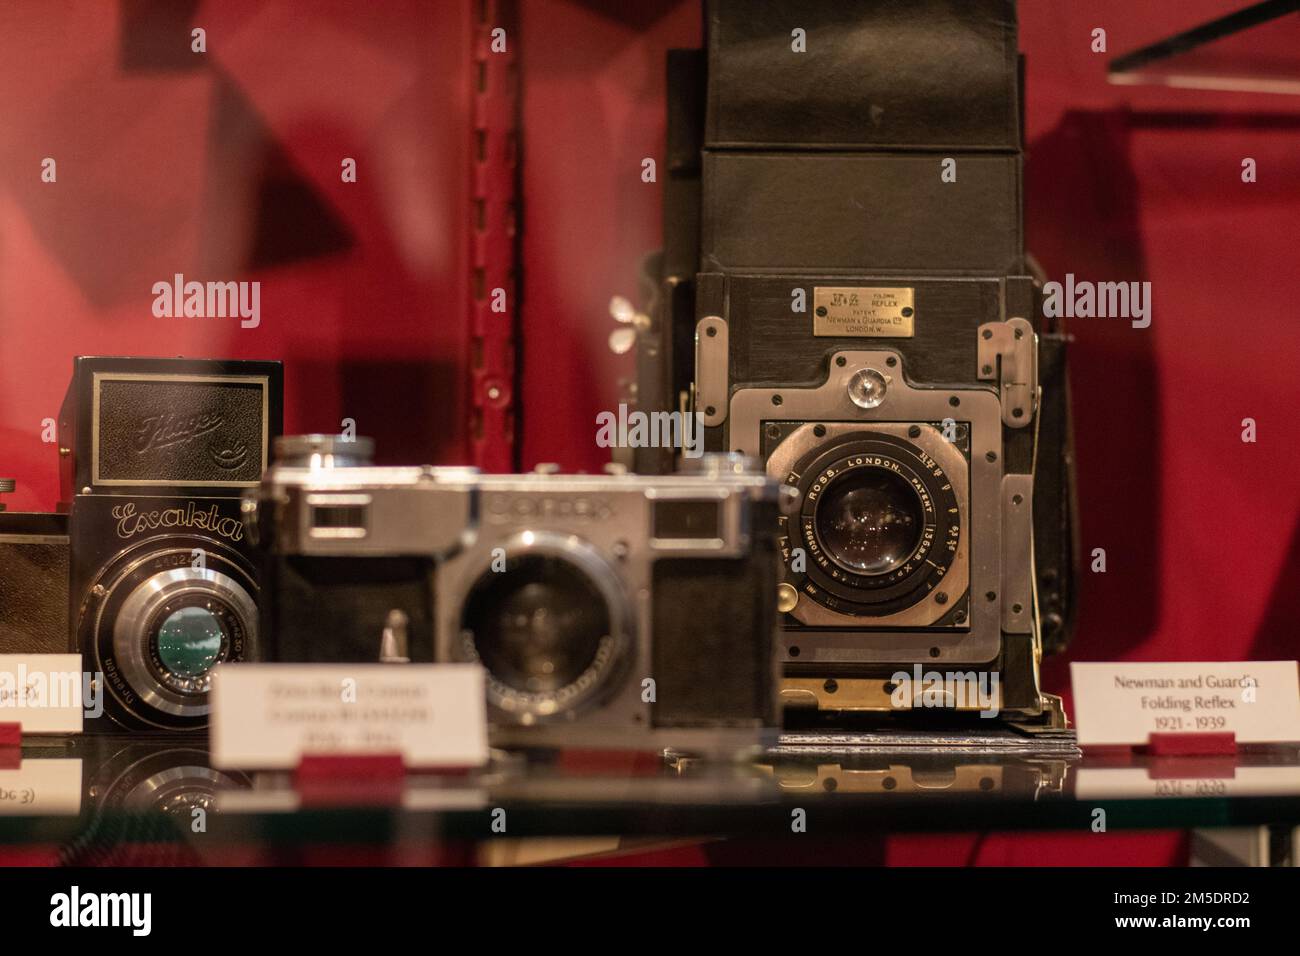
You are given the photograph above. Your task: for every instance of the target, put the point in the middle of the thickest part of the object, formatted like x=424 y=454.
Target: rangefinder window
x=687 y=520
x=338 y=519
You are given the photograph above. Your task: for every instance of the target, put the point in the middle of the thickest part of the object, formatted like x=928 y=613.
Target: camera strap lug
x=1008 y=354
x=711 y=354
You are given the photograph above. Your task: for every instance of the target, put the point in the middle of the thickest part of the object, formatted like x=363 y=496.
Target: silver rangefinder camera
x=607 y=610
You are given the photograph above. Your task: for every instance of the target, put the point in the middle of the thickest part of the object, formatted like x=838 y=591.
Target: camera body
x=148 y=574
x=607 y=610
x=844 y=294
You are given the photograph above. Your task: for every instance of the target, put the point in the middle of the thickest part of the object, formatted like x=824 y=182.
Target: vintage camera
x=148 y=575
x=844 y=294
x=607 y=610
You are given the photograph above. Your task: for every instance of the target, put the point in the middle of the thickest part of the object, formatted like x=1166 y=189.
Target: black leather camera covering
x=332 y=610
x=878 y=74
x=833 y=159
x=703 y=611
x=33 y=583
x=861 y=212
x=190 y=426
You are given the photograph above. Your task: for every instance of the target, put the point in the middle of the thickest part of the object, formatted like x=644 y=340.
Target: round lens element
x=189 y=641
x=537 y=626
x=869 y=520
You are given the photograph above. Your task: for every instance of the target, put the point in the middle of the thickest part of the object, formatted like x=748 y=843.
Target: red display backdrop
x=227 y=165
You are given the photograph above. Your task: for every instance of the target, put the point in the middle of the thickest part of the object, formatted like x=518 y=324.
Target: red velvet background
x=227 y=166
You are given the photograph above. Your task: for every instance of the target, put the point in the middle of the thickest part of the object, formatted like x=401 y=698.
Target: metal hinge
x=711 y=369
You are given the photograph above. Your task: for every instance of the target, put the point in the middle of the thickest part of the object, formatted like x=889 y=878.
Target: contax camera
x=145 y=569
x=607 y=610
x=844 y=294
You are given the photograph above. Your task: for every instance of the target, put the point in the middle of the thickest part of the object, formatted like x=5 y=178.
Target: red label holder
x=350 y=779
x=11 y=743
x=1191 y=745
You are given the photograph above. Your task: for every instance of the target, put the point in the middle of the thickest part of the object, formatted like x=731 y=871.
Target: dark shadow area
x=284 y=221
x=1276 y=638
x=1082 y=205
x=156 y=35
x=640 y=14
x=407 y=407
x=1255 y=122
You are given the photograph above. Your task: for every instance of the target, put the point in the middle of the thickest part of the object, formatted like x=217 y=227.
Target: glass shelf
x=86 y=799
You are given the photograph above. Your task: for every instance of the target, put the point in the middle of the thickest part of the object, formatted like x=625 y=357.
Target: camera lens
x=189 y=641
x=869 y=520
x=162 y=624
x=539 y=625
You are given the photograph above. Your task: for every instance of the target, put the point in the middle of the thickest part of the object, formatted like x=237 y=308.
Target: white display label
x=1124 y=703
x=41 y=787
x=1126 y=783
x=269 y=716
x=43 y=692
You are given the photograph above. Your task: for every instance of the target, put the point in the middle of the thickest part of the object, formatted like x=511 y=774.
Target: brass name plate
x=863 y=311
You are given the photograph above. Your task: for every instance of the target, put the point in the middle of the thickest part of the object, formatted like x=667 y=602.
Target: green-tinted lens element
x=189 y=641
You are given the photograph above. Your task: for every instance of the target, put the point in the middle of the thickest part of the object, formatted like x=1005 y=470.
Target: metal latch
x=1008 y=354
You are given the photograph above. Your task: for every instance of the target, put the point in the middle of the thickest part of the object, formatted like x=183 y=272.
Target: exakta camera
x=146 y=571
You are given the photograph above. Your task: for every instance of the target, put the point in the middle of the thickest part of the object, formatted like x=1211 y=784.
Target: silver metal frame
x=712 y=355
x=904 y=403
